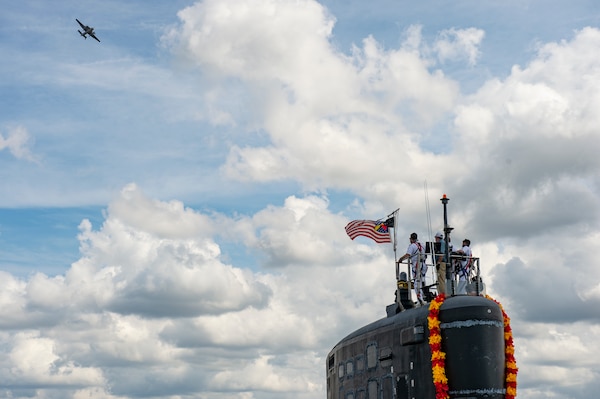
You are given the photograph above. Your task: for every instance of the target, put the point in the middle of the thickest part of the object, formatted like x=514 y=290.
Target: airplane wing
x=80 y=24
x=94 y=36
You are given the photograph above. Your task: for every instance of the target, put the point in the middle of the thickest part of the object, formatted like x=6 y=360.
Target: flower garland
x=510 y=367
x=438 y=357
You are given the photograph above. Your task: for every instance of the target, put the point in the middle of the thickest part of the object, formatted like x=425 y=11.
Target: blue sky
x=176 y=195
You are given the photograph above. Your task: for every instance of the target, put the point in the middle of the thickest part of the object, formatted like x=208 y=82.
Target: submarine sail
x=451 y=345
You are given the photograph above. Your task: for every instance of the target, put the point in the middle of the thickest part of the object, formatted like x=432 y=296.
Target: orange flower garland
x=510 y=367
x=438 y=357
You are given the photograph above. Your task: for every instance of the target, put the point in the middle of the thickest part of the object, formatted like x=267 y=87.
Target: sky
x=173 y=198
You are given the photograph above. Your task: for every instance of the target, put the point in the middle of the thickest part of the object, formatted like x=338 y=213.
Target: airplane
x=86 y=30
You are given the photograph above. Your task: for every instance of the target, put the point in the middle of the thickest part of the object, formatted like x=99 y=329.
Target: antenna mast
x=447 y=230
x=429 y=230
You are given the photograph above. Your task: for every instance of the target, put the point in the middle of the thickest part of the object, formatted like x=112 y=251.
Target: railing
x=473 y=282
x=472 y=285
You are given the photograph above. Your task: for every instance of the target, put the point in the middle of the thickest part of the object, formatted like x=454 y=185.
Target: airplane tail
x=82 y=34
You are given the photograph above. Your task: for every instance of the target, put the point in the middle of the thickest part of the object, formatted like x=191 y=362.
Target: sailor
x=416 y=253
x=464 y=266
x=440 y=262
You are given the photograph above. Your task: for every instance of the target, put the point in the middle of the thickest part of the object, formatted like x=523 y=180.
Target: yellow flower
x=439 y=374
x=435 y=339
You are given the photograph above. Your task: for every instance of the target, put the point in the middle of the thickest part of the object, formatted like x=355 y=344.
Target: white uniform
x=465 y=269
x=414 y=250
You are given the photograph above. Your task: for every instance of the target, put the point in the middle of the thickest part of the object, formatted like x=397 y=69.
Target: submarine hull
x=391 y=358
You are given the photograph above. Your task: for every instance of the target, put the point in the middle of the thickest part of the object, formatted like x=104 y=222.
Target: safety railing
x=472 y=284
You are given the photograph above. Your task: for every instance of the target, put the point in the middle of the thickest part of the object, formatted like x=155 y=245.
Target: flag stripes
x=375 y=230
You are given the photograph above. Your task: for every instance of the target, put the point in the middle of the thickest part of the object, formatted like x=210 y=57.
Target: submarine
x=449 y=345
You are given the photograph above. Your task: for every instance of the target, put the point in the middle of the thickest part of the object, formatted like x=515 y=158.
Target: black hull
x=391 y=358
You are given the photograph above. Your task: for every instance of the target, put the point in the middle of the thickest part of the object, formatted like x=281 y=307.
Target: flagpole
x=397 y=265
x=395 y=246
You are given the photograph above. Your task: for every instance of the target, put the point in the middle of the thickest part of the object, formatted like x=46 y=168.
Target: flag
x=377 y=231
x=389 y=222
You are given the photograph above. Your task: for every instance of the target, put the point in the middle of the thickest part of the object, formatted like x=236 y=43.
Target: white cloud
x=153 y=255
x=18 y=142
x=529 y=142
x=261 y=374
x=333 y=120
x=456 y=44
x=148 y=300
x=34 y=362
x=255 y=40
x=121 y=304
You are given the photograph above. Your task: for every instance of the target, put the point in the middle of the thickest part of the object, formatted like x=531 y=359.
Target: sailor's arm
x=405 y=256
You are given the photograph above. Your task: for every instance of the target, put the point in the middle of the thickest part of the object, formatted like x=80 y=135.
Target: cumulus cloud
x=32 y=362
x=158 y=304
x=329 y=116
x=530 y=135
x=149 y=267
x=147 y=303
x=276 y=36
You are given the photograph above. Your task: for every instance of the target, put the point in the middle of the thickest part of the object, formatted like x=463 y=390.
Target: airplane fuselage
x=88 y=31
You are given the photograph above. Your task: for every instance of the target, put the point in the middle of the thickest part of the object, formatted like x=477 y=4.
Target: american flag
x=377 y=231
